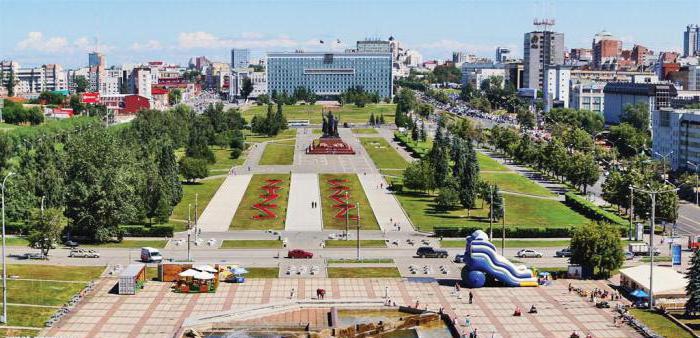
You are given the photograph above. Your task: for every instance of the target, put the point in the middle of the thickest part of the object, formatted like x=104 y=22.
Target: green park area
x=364 y=243
x=40 y=290
x=347 y=113
x=510 y=243
x=262 y=272
x=364 y=131
x=356 y=261
x=250 y=218
x=486 y=163
x=387 y=160
x=251 y=244
x=514 y=182
x=660 y=324
x=278 y=153
x=364 y=272
x=203 y=190
x=333 y=217
x=131 y=243
x=223 y=161
x=251 y=137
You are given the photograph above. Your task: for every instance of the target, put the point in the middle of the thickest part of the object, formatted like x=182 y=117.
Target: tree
x=81 y=84
x=526 y=119
x=174 y=96
x=466 y=170
x=163 y=188
x=246 y=88
x=425 y=109
x=415 y=132
x=597 y=248
x=193 y=168
x=11 y=82
x=497 y=206
x=51 y=98
x=692 y=289
x=628 y=140
x=198 y=142
x=448 y=197
x=637 y=115
x=418 y=176
x=262 y=99
x=45 y=228
x=614 y=189
x=582 y=170
x=439 y=158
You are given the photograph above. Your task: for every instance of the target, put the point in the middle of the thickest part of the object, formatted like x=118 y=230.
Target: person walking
x=471 y=297
x=291 y=294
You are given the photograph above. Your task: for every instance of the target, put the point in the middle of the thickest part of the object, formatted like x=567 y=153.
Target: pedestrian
x=467 y=322
x=471 y=297
x=457 y=287
x=291 y=294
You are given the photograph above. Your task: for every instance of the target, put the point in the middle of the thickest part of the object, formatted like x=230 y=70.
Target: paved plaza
x=157 y=312
x=301 y=216
x=222 y=207
x=386 y=208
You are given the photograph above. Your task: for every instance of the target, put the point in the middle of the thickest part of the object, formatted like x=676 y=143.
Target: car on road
x=629 y=255
x=529 y=253
x=33 y=255
x=429 y=251
x=70 y=244
x=563 y=253
x=151 y=255
x=298 y=253
x=84 y=253
x=459 y=258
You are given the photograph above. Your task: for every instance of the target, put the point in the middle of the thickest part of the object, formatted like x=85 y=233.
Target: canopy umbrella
x=239 y=271
x=544 y=274
x=203 y=275
x=639 y=294
x=205 y=268
x=188 y=273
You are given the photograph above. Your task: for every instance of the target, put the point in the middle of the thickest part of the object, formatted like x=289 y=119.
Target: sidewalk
x=386 y=208
x=222 y=207
x=303 y=190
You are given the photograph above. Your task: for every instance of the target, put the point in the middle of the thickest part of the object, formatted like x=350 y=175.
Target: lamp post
x=663 y=162
x=347 y=211
x=189 y=233
x=697 y=188
x=490 y=212
x=631 y=212
x=4 y=265
x=652 y=221
x=357 y=206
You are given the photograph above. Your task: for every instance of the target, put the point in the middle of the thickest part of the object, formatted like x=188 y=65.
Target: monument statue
x=330 y=125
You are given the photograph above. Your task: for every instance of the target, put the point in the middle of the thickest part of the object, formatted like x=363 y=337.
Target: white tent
x=203 y=275
x=667 y=281
x=188 y=273
x=205 y=268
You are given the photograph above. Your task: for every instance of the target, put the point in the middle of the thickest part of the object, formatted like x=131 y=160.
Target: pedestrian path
x=219 y=213
x=304 y=189
x=384 y=205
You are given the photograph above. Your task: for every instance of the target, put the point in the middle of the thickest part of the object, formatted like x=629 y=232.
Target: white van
x=151 y=255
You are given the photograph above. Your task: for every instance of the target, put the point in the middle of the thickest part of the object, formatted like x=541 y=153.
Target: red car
x=298 y=253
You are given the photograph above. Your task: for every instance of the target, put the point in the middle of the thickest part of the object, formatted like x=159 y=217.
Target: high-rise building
x=640 y=54
x=96 y=59
x=140 y=82
x=557 y=79
x=96 y=64
x=677 y=132
x=541 y=49
x=606 y=49
x=330 y=74
x=502 y=54
x=458 y=58
x=691 y=40
x=240 y=58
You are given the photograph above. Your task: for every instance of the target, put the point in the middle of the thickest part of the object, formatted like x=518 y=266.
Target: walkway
x=304 y=190
x=384 y=205
x=219 y=213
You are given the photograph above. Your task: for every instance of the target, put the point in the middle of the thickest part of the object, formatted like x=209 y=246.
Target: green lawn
x=7 y=126
x=16 y=241
x=515 y=182
x=355 y=261
x=488 y=164
x=656 y=259
x=250 y=137
x=28 y=316
x=660 y=324
x=347 y=113
x=55 y=272
x=362 y=272
x=364 y=131
x=356 y=194
x=17 y=332
x=520 y=210
x=251 y=244
x=262 y=272
x=278 y=153
x=224 y=162
x=364 y=243
x=41 y=292
x=693 y=322
x=131 y=243
x=243 y=220
x=382 y=154
x=205 y=190
x=510 y=243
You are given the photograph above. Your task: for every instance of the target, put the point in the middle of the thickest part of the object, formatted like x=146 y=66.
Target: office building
x=373 y=46
x=459 y=58
x=581 y=54
x=641 y=55
x=502 y=54
x=258 y=79
x=54 y=78
x=330 y=74
x=606 y=50
x=96 y=59
x=557 y=79
x=588 y=96
x=620 y=94
x=677 y=131
x=240 y=58
x=514 y=73
x=476 y=73
x=691 y=41
x=541 y=49
x=140 y=82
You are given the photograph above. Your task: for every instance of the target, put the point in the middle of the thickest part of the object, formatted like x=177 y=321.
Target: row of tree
x=271 y=123
x=16 y=113
x=406 y=102
x=358 y=96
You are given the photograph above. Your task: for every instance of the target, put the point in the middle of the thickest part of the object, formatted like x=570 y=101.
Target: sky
x=35 y=32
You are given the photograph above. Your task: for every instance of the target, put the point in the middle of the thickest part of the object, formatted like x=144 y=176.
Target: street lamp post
x=357 y=206
x=503 y=228
x=652 y=221
x=189 y=233
x=631 y=212
x=4 y=265
x=697 y=188
x=490 y=212
x=663 y=162
x=347 y=211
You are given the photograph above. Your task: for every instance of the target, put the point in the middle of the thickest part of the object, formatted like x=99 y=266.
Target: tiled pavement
x=157 y=312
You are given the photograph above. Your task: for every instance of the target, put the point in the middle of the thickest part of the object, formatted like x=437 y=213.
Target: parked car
x=563 y=253
x=151 y=255
x=642 y=249
x=459 y=258
x=629 y=255
x=70 y=244
x=84 y=253
x=429 y=251
x=33 y=255
x=529 y=253
x=298 y=253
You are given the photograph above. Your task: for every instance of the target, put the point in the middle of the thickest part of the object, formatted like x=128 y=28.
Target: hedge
x=511 y=231
x=591 y=210
x=147 y=231
x=411 y=146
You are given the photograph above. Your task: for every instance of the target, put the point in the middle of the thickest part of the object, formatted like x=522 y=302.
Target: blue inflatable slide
x=481 y=260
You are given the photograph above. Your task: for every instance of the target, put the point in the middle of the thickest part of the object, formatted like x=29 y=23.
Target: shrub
x=147 y=231
x=592 y=211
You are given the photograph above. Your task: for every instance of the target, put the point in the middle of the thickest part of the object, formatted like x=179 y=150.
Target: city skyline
x=128 y=32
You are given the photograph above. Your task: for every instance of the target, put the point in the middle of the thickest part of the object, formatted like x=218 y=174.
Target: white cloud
x=148 y=45
x=453 y=45
x=191 y=40
x=36 y=41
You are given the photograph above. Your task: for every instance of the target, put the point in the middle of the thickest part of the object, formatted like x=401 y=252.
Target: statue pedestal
x=329 y=146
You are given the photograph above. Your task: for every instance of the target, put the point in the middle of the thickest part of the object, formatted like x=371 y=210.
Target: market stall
x=132 y=279
x=199 y=279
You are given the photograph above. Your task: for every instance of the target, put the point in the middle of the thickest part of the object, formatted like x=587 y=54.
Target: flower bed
x=270 y=195
x=341 y=195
